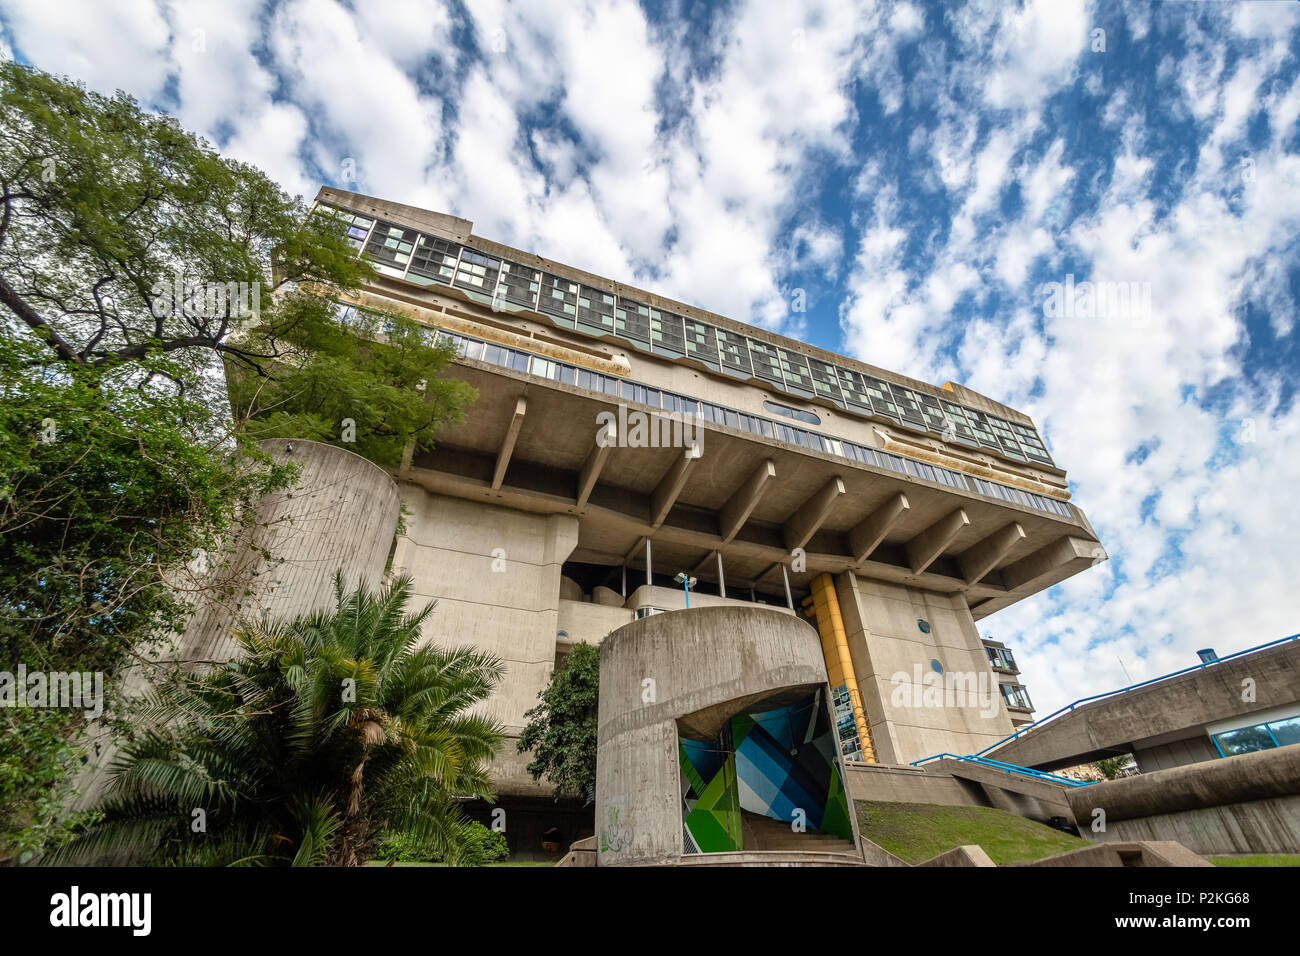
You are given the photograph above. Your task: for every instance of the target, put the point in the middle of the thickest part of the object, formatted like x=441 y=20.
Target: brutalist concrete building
x=625 y=448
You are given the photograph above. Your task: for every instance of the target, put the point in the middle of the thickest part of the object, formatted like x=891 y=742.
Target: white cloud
x=109 y=46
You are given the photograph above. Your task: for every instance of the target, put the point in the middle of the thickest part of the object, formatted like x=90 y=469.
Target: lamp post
x=686 y=581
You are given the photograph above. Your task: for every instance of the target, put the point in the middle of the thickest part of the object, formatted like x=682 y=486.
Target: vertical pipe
x=839 y=662
x=623 y=586
x=789 y=598
x=649 y=575
x=722 y=578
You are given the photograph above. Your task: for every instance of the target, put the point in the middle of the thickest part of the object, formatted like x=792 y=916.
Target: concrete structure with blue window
x=1215 y=744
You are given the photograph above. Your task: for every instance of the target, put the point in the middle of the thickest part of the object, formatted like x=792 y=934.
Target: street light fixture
x=686 y=581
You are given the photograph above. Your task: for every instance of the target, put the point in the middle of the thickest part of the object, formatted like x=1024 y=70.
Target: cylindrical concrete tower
x=743 y=689
x=341 y=515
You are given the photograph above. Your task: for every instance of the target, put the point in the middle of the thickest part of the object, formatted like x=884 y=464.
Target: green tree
x=145 y=281
x=1113 y=767
x=561 y=730
x=378 y=372
x=124 y=238
x=326 y=732
x=106 y=496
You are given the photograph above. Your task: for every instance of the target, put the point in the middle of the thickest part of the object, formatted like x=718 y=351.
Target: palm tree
x=325 y=731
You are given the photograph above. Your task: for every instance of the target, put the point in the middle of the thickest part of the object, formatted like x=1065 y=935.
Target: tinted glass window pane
x=558 y=298
x=518 y=284
x=1244 y=741
x=795 y=369
x=733 y=349
x=632 y=320
x=701 y=342
x=1286 y=731
x=766 y=364
x=667 y=333
x=595 y=311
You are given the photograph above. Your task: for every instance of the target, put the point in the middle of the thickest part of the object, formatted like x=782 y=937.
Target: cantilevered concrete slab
x=733 y=500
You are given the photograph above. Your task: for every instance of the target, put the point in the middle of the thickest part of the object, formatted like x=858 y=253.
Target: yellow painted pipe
x=839 y=662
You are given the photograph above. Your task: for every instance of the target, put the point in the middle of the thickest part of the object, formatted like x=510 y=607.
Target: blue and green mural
x=779 y=763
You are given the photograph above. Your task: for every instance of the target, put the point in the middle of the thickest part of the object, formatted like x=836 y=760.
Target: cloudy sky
x=921 y=172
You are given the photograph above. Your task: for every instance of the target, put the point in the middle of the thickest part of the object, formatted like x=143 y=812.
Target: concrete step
x=764 y=833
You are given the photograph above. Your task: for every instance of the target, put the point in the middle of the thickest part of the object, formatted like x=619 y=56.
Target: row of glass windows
x=1016 y=696
x=1001 y=657
x=1277 y=733
x=622 y=389
x=427 y=260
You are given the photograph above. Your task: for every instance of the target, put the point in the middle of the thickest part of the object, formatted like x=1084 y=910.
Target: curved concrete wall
x=1249 y=803
x=341 y=515
x=710 y=657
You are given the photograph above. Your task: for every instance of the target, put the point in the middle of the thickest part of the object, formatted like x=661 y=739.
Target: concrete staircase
x=763 y=833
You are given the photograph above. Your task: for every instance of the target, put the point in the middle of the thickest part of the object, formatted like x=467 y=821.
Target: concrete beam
x=983 y=556
x=671 y=485
x=1067 y=552
x=803 y=524
x=871 y=530
x=636 y=549
x=741 y=505
x=704 y=562
x=508 y=445
x=925 y=547
x=606 y=439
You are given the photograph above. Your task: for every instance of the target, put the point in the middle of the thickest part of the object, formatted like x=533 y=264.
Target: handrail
x=1155 y=680
x=1009 y=768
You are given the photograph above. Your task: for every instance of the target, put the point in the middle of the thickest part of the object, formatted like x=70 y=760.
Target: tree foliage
x=561 y=730
x=145 y=283
x=376 y=374
x=325 y=732
x=105 y=206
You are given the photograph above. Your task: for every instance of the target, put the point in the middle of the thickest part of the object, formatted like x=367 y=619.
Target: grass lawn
x=1267 y=859
x=918 y=831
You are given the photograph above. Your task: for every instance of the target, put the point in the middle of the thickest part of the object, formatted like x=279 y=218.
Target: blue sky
x=922 y=172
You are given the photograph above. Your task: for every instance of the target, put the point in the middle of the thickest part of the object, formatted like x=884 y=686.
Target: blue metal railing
x=1004 y=767
x=1085 y=700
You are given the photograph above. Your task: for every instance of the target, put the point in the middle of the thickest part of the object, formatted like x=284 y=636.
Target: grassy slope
x=919 y=831
x=1273 y=859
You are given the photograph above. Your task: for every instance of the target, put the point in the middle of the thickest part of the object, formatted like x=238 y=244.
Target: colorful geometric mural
x=781 y=763
x=710 y=799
